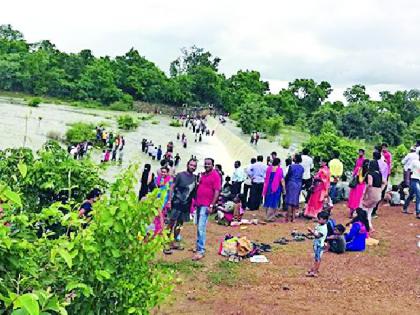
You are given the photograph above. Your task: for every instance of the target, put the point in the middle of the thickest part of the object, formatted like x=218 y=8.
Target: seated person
x=327 y=204
x=226 y=192
x=393 y=196
x=336 y=243
x=356 y=239
x=343 y=189
x=230 y=211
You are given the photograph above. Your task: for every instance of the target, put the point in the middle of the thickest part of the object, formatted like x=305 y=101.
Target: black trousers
x=256 y=196
x=236 y=188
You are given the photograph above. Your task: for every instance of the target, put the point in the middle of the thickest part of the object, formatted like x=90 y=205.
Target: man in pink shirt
x=207 y=195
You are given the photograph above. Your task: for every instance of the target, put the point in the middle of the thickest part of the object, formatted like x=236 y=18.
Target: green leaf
x=53 y=305
x=20 y=311
x=66 y=256
x=131 y=310
x=13 y=197
x=29 y=303
x=102 y=274
x=23 y=169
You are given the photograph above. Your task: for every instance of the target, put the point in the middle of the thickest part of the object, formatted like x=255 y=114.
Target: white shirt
x=308 y=164
x=415 y=169
x=410 y=157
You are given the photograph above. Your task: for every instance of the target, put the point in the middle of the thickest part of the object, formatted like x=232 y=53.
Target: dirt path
x=383 y=279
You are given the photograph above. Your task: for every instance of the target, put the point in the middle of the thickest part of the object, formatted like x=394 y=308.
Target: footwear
x=407 y=212
x=311 y=274
x=177 y=247
x=167 y=251
x=197 y=257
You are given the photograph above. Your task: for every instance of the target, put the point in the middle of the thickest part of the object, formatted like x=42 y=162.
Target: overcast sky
x=373 y=42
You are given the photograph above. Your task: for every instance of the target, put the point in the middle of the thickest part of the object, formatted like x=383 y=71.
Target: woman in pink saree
x=320 y=187
x=356 y=193
x=163 y=183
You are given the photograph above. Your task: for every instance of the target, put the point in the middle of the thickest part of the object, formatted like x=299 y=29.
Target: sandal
x=167 y=251
x=197 y=257
x=177 y=247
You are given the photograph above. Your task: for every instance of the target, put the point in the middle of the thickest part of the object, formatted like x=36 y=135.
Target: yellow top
x=336 y=168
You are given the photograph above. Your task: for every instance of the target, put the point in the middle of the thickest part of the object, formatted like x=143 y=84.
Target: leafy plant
x=155 y=122
x=273 y=125
x=35 y=101
x=127 y=122
x=285 y=142
x=79 y=132
x=175 y=123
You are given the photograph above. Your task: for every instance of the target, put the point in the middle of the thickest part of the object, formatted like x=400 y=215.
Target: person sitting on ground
x=336 y=243
x=393 y=196
x=327 y=204
x=226 y=189
x=230 y=211
x=356 y=238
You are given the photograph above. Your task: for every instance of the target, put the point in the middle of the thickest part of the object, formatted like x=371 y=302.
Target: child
x=393 y=196
x=337 y=242
x=327 y=205
x=320 y=234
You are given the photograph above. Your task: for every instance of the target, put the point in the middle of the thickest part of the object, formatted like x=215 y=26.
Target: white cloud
x=369 y=42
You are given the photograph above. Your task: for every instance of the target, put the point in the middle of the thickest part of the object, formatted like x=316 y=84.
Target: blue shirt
x=257 y=172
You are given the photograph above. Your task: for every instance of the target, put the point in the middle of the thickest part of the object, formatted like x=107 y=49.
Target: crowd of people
x=279 y=189
x=113 y=145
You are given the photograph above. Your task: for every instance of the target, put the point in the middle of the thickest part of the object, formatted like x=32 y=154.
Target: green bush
x=127 y=122
x=285 y=142
x=121 y=106
x=35 y=101
x=324 y=145
x=175 y=123
x=235 y=116
x=155 y=122
x=146 y=117
x=79 y=132
x=273 y=125
x=104 y=268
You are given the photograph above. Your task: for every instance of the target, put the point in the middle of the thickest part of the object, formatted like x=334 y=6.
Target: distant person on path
x=272 y=190
x=183 y=191
x=177 y=159
x=308 y=165
x=414 y=187
x=208 y=191
x=320 y=186
x=293 y=187
x=336 y=171
x=257 y=173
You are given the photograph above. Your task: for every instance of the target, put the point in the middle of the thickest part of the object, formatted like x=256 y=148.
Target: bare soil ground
x=385 y=279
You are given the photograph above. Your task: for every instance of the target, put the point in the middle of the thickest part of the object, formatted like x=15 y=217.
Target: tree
x=252 y=114
x=325 y=113
x=285 y=104
x=389 y=127
x=357 y=93
x=310 y=95
x=191 y=58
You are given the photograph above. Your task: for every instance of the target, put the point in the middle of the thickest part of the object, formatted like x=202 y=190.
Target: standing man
x=207 y=195
x=248 y=183
x=183 y=191
x=238 y=177
x=386 y=158
x=406 y=162
x=308 y=165
x=257 y=173
x=336 y=170
x=414 y=187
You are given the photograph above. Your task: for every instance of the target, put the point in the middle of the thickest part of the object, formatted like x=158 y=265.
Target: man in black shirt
x=183 y=191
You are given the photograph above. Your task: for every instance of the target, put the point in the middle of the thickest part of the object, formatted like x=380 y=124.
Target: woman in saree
x=163 y=183
x=272 y=190
x=356 y=193
x=320 y=187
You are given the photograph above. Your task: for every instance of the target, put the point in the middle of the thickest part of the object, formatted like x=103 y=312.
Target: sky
x=370 y=42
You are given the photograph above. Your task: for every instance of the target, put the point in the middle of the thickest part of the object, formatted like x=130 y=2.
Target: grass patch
x=227 y=274
x=155 y=122
x=175 y=123
x=34 y=102
x=127 y=122
x=186 y=266
x=285 y=142
x=146 y=117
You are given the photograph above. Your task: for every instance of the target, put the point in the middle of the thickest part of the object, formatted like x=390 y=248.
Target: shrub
x=121 y=106
x=235 y=116
x=285 y=142
x=79 y=132
x=175 y=123
x=273 y=125
x=155 y=122
x=127 y=122
x=146 y=117
x=54 y=135
x=104 y=268
x=35 y=101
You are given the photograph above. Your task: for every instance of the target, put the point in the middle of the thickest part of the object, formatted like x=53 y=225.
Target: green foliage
x=235 y=116
x=273 y=125
x=397 y=155
x=253 y=114
x=175 y=123
x=127 y=122
x=355 y=94
x=285 y=142
x=52 y=172
x=155 y=122
x=105 y=268
x=325 y=113
x=121 y=106
x=35 y=101
x=79 y=132
x=325 y=144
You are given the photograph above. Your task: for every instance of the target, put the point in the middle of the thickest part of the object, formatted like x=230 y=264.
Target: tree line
x=41 y=69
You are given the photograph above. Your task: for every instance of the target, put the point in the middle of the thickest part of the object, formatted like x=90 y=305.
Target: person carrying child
x=320 y=234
